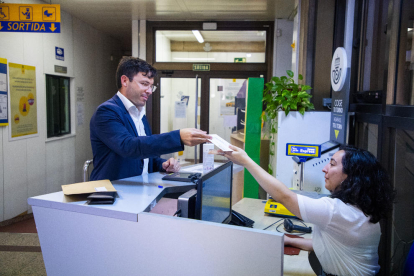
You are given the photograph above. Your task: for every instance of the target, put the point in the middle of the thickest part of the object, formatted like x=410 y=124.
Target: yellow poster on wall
x=23 y=101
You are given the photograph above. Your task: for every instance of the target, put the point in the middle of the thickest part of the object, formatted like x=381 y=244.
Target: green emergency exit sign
x=201 y=67
x=239 y=60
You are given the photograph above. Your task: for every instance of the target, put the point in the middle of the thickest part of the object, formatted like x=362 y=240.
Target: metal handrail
x=86 y=170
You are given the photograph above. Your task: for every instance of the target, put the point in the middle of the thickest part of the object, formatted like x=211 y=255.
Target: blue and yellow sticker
x=31 y=18
x=303 y=150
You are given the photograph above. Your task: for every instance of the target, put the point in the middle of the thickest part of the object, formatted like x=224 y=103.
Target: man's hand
x=171 y=165
x=192 y=136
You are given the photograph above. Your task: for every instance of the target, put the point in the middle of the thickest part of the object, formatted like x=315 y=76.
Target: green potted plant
x=283 y=94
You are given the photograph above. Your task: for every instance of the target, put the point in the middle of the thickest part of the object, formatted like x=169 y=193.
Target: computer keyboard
x=240 y=220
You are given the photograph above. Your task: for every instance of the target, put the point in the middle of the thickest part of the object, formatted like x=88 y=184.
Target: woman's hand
x=238 y=156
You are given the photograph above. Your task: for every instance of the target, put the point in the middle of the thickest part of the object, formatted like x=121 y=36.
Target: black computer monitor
x=213 y=202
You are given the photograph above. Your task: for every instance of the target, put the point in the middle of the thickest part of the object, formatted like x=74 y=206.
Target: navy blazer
x=118 y=151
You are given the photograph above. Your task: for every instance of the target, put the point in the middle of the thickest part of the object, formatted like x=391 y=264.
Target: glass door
x=178 y=103
x=220 y=107
x=226 y=114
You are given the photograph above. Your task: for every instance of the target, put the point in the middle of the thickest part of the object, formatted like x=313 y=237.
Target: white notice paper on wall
x=220 y=142
x=180 y=109
x=3 y=82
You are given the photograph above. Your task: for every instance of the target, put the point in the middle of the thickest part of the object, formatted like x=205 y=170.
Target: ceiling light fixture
x=198 y=36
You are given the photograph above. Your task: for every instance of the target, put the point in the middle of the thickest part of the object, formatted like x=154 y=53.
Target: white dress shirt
x=136 y=115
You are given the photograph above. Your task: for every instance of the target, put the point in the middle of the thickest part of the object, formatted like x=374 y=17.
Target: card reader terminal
x=182 y=177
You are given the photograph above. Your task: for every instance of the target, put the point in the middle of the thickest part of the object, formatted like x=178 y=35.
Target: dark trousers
x=316 y=265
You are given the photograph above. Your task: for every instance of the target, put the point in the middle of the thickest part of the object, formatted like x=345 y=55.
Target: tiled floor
x=20 y=252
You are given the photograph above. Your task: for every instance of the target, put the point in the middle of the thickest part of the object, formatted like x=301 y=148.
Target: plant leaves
x=303 y=94
x=305 y=87
x=285 y=104
x=310 y=106
x=293 y=106
x=290 y=73
x=302 y=110
x=300 y=77
x=276 y=79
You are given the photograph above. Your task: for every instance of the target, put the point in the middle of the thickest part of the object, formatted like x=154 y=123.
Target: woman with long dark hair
x=346 y=231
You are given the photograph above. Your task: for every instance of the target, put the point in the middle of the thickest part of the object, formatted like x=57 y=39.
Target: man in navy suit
x=122 y=142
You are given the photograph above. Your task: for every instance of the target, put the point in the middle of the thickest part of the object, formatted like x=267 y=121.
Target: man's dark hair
x=367 y=186
x=130 y=66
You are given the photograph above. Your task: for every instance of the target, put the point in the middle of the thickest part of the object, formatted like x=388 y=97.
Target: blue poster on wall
x=4 y=120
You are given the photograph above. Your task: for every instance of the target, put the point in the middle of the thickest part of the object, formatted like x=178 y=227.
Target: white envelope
x=220 y=142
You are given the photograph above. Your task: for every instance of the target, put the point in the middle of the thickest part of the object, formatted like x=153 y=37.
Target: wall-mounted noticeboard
x=4 y=118
x=23 y=101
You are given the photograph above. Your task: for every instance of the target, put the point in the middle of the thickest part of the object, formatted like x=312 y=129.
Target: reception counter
x=125 y=239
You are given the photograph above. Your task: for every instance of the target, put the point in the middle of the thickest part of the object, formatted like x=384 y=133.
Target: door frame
x=154 y=102
x=153 y=105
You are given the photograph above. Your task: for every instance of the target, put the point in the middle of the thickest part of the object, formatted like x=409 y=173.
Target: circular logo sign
x=338 y=69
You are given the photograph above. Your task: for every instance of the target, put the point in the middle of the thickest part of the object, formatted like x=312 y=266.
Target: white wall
x=35 y=166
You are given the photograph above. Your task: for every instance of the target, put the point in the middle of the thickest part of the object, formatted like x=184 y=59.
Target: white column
x=135 y=38
x=349 y=29
x=143 y=39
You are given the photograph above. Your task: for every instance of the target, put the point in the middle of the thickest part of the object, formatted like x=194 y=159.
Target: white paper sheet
x=180 y=109
x=220 y=142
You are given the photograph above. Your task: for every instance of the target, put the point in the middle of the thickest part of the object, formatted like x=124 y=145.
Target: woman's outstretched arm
x=274 y=187
x=305 y=244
